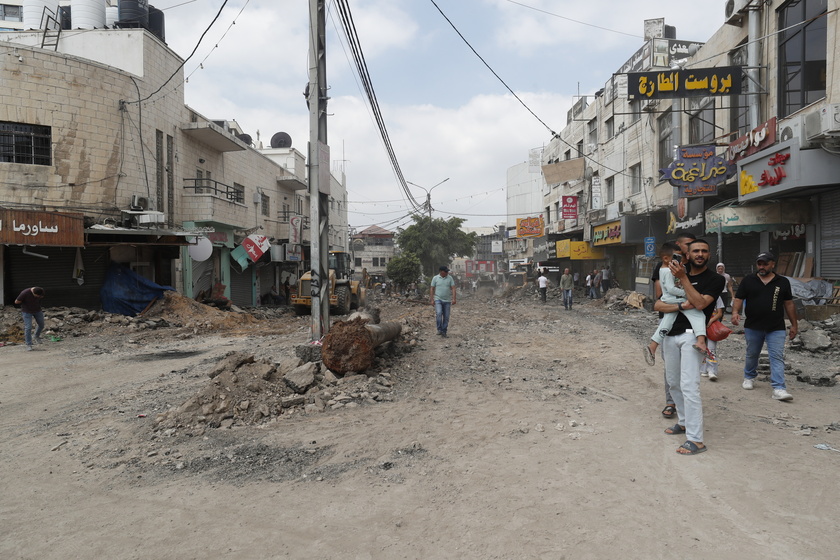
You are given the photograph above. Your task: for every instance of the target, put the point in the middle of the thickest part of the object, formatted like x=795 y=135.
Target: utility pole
x=319 y=171
x=428 y=195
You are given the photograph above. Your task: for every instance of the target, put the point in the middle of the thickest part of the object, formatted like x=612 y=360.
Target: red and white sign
x=295 y=227
x=570 y=208
x=256 y=245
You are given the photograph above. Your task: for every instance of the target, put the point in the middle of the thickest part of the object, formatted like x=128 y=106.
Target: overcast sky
x=447 y=115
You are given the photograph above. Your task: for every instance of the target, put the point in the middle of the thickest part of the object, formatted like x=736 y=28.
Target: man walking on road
x=606 y=279
x=442 y=296
x=769 y=299
x=30 y=307
x=567 y=283
x=682 y=362
x=542 y=283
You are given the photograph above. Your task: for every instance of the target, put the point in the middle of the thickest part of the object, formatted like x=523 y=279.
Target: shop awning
x=771 y=215
x=112 y=235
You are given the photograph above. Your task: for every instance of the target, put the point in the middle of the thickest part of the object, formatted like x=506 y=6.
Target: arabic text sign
x=696 y=82
x=256 y=245
x=583 y=251
x=295 y=226
x=570 y=208
x=757 y=217
x=773 y=172
x=563 y=248
x=606 y=234
x=530 y=227
x=697 y=171
x=759 y=138
x=41 y=228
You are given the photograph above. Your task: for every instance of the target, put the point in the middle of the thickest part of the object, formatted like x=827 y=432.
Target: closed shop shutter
x=739 y=253
x=242 y=286
x=829 y=256
x=202 y=277
x=55 y=275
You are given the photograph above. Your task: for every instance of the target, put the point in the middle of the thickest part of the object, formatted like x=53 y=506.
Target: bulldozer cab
x=341 y=263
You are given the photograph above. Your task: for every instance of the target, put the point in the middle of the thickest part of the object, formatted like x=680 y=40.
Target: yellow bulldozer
x=345 y=293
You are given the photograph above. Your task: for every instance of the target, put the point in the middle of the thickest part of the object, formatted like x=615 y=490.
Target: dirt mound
x=180 y=310
x=14 y=333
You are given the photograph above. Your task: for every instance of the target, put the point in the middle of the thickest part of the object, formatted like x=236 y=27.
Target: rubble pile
x=182 y=311
x=246 y=391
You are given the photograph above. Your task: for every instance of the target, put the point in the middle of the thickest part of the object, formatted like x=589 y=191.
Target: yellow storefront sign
x=564 y=248
x=583 y=251
x=606 y=234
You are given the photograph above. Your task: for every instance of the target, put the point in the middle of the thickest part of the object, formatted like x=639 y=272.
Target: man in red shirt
x=30 y=306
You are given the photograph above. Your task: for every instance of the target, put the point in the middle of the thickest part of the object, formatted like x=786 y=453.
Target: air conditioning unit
x=139 y=203
x=626 y=206
x=823 y=123
x=794 y=128
x=735 y=10
x=650 y=105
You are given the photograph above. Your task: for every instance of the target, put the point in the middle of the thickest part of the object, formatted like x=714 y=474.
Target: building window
x=610 y=184
x=580 y=149
x=592 y=133
x=237 y=193
x=701 y=120
x=548 y=214
x=11 y=13
x=635 y=110
x=265 y=204
x=25 y=143
x=666 y=142
x=284 y=216
x=568 y=155
x=358 y=261
x=802 y=54
x=609 y=124
x=636 y=178
x=739 y=120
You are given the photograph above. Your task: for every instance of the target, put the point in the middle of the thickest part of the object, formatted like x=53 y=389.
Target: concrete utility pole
x=319 y=171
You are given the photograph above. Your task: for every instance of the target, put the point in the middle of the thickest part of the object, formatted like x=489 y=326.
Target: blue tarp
x=126 y=292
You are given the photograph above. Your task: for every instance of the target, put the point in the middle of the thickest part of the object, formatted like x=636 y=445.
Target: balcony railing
x=215 y=188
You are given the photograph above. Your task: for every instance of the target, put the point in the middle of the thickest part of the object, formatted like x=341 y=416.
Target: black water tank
x=156 y=23
x=135 y=11
x=64 y=18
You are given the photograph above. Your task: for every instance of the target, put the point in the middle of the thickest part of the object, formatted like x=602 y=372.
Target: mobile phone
x=677 y=257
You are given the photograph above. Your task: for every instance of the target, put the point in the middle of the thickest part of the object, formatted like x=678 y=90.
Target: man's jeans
x=442 y=309
x=775 y=349
x=27 y=325
x=682 y=371
x=567 y=298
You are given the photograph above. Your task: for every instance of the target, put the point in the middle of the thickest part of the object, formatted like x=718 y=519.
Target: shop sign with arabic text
x=674 y=84
x=23 y=227
x=606 y=234
x=759 y=138
x=583 y=251
x=697 y=171
x=530 y=227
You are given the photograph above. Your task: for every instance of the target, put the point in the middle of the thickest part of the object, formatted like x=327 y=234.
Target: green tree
x=404 y=269
x=436 y=241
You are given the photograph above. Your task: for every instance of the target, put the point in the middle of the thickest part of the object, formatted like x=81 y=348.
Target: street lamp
x=428 y=194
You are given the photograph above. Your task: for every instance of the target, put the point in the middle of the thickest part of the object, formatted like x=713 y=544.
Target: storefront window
x=802 y=54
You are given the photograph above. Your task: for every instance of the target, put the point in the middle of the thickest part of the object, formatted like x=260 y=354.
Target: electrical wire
x=352 y=37
x=216 y=46
x=575 y=20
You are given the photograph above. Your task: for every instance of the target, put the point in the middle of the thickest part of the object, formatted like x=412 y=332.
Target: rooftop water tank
x=112 y=14
x=135 y=11
x=33 y=10
x=87 y=14
x=157 y=25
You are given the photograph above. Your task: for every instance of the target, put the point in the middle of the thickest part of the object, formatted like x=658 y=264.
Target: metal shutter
x=202 y=276
x=266 y=275
x=55 y=275
x=242 y=286
x=829 y=255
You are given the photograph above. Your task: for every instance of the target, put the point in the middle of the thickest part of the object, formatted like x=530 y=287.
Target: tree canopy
x=436 y=241
x=404 y=269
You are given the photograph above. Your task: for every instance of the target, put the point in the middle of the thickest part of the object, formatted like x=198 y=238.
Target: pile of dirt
x=182 y=311
x=12 y=334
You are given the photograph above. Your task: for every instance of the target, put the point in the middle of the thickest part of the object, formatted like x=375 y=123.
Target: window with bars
x=265 y=204
x=25 y=143
x=237 y=193
x=610 y=188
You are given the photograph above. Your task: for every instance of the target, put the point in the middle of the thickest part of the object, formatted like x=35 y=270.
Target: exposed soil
x=531 y=432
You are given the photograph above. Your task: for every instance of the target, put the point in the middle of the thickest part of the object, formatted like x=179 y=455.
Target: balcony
x=207 y=199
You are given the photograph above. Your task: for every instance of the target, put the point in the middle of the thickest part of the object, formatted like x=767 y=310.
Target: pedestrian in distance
x=576 y=278
x=567 y=283
x=596 y=284
x=769 y=299
x=728 y=294
x=542 y=284
x=442 y=295
x=588 y=281
x=30 y=307
x=672 y=292
x=682 y=362
x=606 y=278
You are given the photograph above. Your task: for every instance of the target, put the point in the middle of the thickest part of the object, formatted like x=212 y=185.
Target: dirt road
x=531 y=432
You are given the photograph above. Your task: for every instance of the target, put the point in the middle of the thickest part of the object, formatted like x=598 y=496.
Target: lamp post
x=428 y=194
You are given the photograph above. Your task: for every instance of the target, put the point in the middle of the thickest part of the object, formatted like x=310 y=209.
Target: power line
x=575 y=20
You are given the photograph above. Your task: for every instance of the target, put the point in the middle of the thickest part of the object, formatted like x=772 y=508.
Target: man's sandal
x=675 y=430
x=691 y=447
x=669 y=411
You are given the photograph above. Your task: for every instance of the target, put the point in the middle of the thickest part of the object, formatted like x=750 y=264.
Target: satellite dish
x=245 y=138
x=281 y=140
x=201 y=250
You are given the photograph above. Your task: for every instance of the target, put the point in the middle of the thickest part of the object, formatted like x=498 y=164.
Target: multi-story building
x=623 y=154
x=373 y=248
x=99 y=153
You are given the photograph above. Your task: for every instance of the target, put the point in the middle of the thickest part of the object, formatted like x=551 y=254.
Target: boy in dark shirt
x=30 y=307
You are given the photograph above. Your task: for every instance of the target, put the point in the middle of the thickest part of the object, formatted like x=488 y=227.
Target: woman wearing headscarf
x=728 y=293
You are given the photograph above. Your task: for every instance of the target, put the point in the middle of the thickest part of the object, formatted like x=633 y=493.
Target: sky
x=447 y=115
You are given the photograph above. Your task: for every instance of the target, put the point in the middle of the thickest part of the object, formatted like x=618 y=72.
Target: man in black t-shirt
x=682 y=362
x=769 y=298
